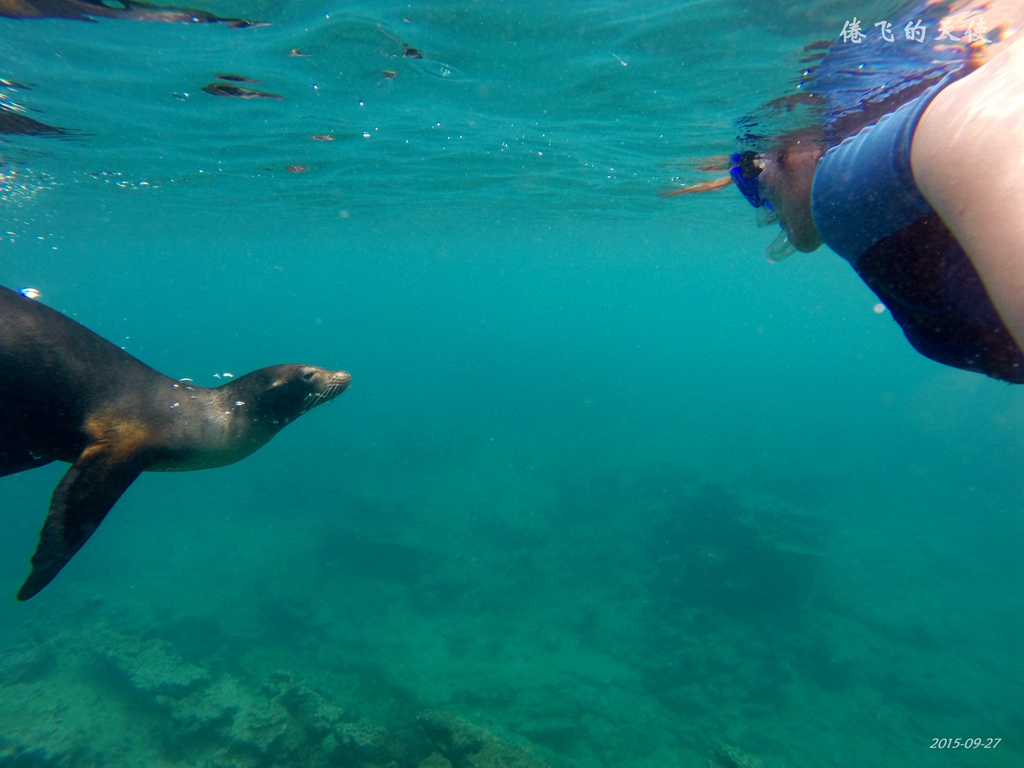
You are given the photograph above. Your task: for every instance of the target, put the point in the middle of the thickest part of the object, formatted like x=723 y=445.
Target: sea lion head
x=282 y=393
x=241 y=416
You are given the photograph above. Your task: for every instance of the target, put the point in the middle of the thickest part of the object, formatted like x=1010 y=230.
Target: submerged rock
x=436 y=760
x=145 y=703
x=364 y=742
x=148 y=666
x=226 y=711
x=281 y=721
x=24 y=664
x=725 y=756
x=462 y=744
x=315 y=711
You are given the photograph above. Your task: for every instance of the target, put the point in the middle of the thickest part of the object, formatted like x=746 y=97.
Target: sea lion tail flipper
x=80 y=502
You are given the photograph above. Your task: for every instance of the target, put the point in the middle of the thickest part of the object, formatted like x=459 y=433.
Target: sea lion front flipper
x=80 y=502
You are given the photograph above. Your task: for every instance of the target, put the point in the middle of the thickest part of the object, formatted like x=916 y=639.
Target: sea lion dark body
x=67 y=394
x=90 y=10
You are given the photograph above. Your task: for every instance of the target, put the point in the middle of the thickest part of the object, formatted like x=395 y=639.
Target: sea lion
x=90 y=10
x=67 y=394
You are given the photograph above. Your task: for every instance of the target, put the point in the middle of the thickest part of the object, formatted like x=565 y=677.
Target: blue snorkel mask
x=746 y=168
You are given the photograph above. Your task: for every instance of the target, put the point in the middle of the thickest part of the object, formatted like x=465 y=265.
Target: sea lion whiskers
x=339 y=381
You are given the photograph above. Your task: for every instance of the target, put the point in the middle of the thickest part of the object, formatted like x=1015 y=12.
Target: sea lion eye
x=309 y=376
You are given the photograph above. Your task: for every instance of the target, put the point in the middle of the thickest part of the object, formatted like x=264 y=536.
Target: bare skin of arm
x=968 y=159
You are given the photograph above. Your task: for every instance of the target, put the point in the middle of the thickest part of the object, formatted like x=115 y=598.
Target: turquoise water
x=607 y=488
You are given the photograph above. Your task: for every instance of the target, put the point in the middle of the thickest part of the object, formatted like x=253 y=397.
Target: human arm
x=967 y=159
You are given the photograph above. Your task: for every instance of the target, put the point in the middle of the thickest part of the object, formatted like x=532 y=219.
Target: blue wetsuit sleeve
x=864 y=188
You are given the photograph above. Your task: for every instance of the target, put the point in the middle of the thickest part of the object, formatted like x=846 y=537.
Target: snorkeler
x=923 y=196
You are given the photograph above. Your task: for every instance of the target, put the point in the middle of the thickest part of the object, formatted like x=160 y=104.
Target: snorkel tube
x=780 y=248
